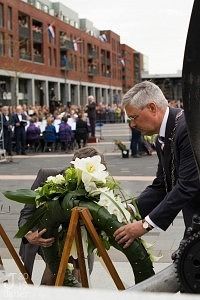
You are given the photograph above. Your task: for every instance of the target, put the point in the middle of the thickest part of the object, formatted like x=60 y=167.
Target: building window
x=1 y=16
x=9 y=18
x=10 y=45
x=2 y=44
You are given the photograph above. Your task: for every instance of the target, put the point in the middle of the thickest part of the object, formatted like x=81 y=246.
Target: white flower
x=114 y=205
x=92 y=169
x=91 y=188
x=58 y=179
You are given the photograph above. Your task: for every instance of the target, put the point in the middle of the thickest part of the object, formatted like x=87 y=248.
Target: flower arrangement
x=87 y=184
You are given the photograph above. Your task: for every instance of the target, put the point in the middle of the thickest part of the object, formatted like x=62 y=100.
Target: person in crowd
x=50 y=135
x=33 y=134
x=81 y=133
x=19 y=121
x=7 y=130
x=135 y=145
x=65 y=134
x=91 y=111
x=176 y=186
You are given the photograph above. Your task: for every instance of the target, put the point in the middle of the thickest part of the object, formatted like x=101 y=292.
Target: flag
x=122 y=62
x=75 y=45
x=51 y=32
x=103 y=37
x=76 y=42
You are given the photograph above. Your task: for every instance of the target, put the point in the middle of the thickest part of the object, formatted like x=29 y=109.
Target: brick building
x=47 y=53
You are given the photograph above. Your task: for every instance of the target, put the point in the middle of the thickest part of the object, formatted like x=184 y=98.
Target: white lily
x=91 y=188
x=114 y=205
x=92 y=169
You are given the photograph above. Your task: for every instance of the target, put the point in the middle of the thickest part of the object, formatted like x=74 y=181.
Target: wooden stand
x=74 y=231
x=14 y=255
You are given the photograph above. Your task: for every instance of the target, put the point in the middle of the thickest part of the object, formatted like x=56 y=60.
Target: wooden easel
x=14 y=255
x=74 y=231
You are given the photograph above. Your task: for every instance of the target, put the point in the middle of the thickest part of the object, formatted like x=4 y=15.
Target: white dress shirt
x=162 y=134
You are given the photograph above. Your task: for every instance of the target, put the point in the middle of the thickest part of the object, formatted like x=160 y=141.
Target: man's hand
x=35 y=238
x=128 y=233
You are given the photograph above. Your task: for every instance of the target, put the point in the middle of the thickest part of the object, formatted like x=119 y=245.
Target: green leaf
x=32 y=222
x=26 y=196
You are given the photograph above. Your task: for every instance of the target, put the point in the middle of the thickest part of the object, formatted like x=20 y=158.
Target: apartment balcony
x=92 y=72
x=38 y=59
x=66 y=66
x=25 y=56
x=66 y=45
x=106 y=74
x=92 y=54
x=37 y=37
x=24 y=32
x=105 y=60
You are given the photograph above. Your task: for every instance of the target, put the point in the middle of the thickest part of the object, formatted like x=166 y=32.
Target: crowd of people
x=36 y=128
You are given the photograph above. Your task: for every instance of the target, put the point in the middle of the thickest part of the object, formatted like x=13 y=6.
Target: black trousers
x=20 y=137
x=92 y=126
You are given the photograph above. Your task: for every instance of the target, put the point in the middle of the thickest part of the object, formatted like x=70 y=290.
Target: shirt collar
x=164 y=123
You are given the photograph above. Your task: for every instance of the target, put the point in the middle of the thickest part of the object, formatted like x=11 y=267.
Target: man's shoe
x=23 y=153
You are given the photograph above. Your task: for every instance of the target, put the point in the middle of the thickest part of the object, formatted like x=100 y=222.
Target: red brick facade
x=26 y=47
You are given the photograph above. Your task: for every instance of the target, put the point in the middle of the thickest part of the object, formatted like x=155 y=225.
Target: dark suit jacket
x=91 y=110
x=28 y=251
x=163 y=206
x=15 y=119
x=7 y=133
x=6 y=124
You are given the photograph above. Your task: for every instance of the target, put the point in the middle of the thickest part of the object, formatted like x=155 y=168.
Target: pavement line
x=62 y=155
x=120 y=178
x=59 y=155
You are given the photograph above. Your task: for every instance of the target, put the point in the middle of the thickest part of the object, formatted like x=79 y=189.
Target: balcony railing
x=105 y=61
x=66 y=66
x=92 y=54
x=24 y=32
x=92 y=72
x=37 y=37
x=38 y=59
x=66 y=45
x=25 y=56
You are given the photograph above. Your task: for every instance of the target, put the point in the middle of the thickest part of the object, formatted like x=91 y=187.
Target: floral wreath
x=87 y=184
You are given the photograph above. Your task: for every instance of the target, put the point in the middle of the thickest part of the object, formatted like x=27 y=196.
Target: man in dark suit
x=19 y=121
x=7 y=130
x=91 y=111
x=176 y=186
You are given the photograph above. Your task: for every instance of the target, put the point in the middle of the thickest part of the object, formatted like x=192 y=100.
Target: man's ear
x=152 y=107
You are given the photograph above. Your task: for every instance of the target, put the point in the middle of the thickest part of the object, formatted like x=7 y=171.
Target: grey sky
x=157 y=28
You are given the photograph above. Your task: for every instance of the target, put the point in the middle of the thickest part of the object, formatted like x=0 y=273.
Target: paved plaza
x=133 y=173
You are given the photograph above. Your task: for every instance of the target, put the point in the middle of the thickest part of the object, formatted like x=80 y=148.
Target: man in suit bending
x=176 y=186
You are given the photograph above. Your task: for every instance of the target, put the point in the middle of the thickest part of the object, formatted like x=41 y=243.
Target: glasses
x=133 y=118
